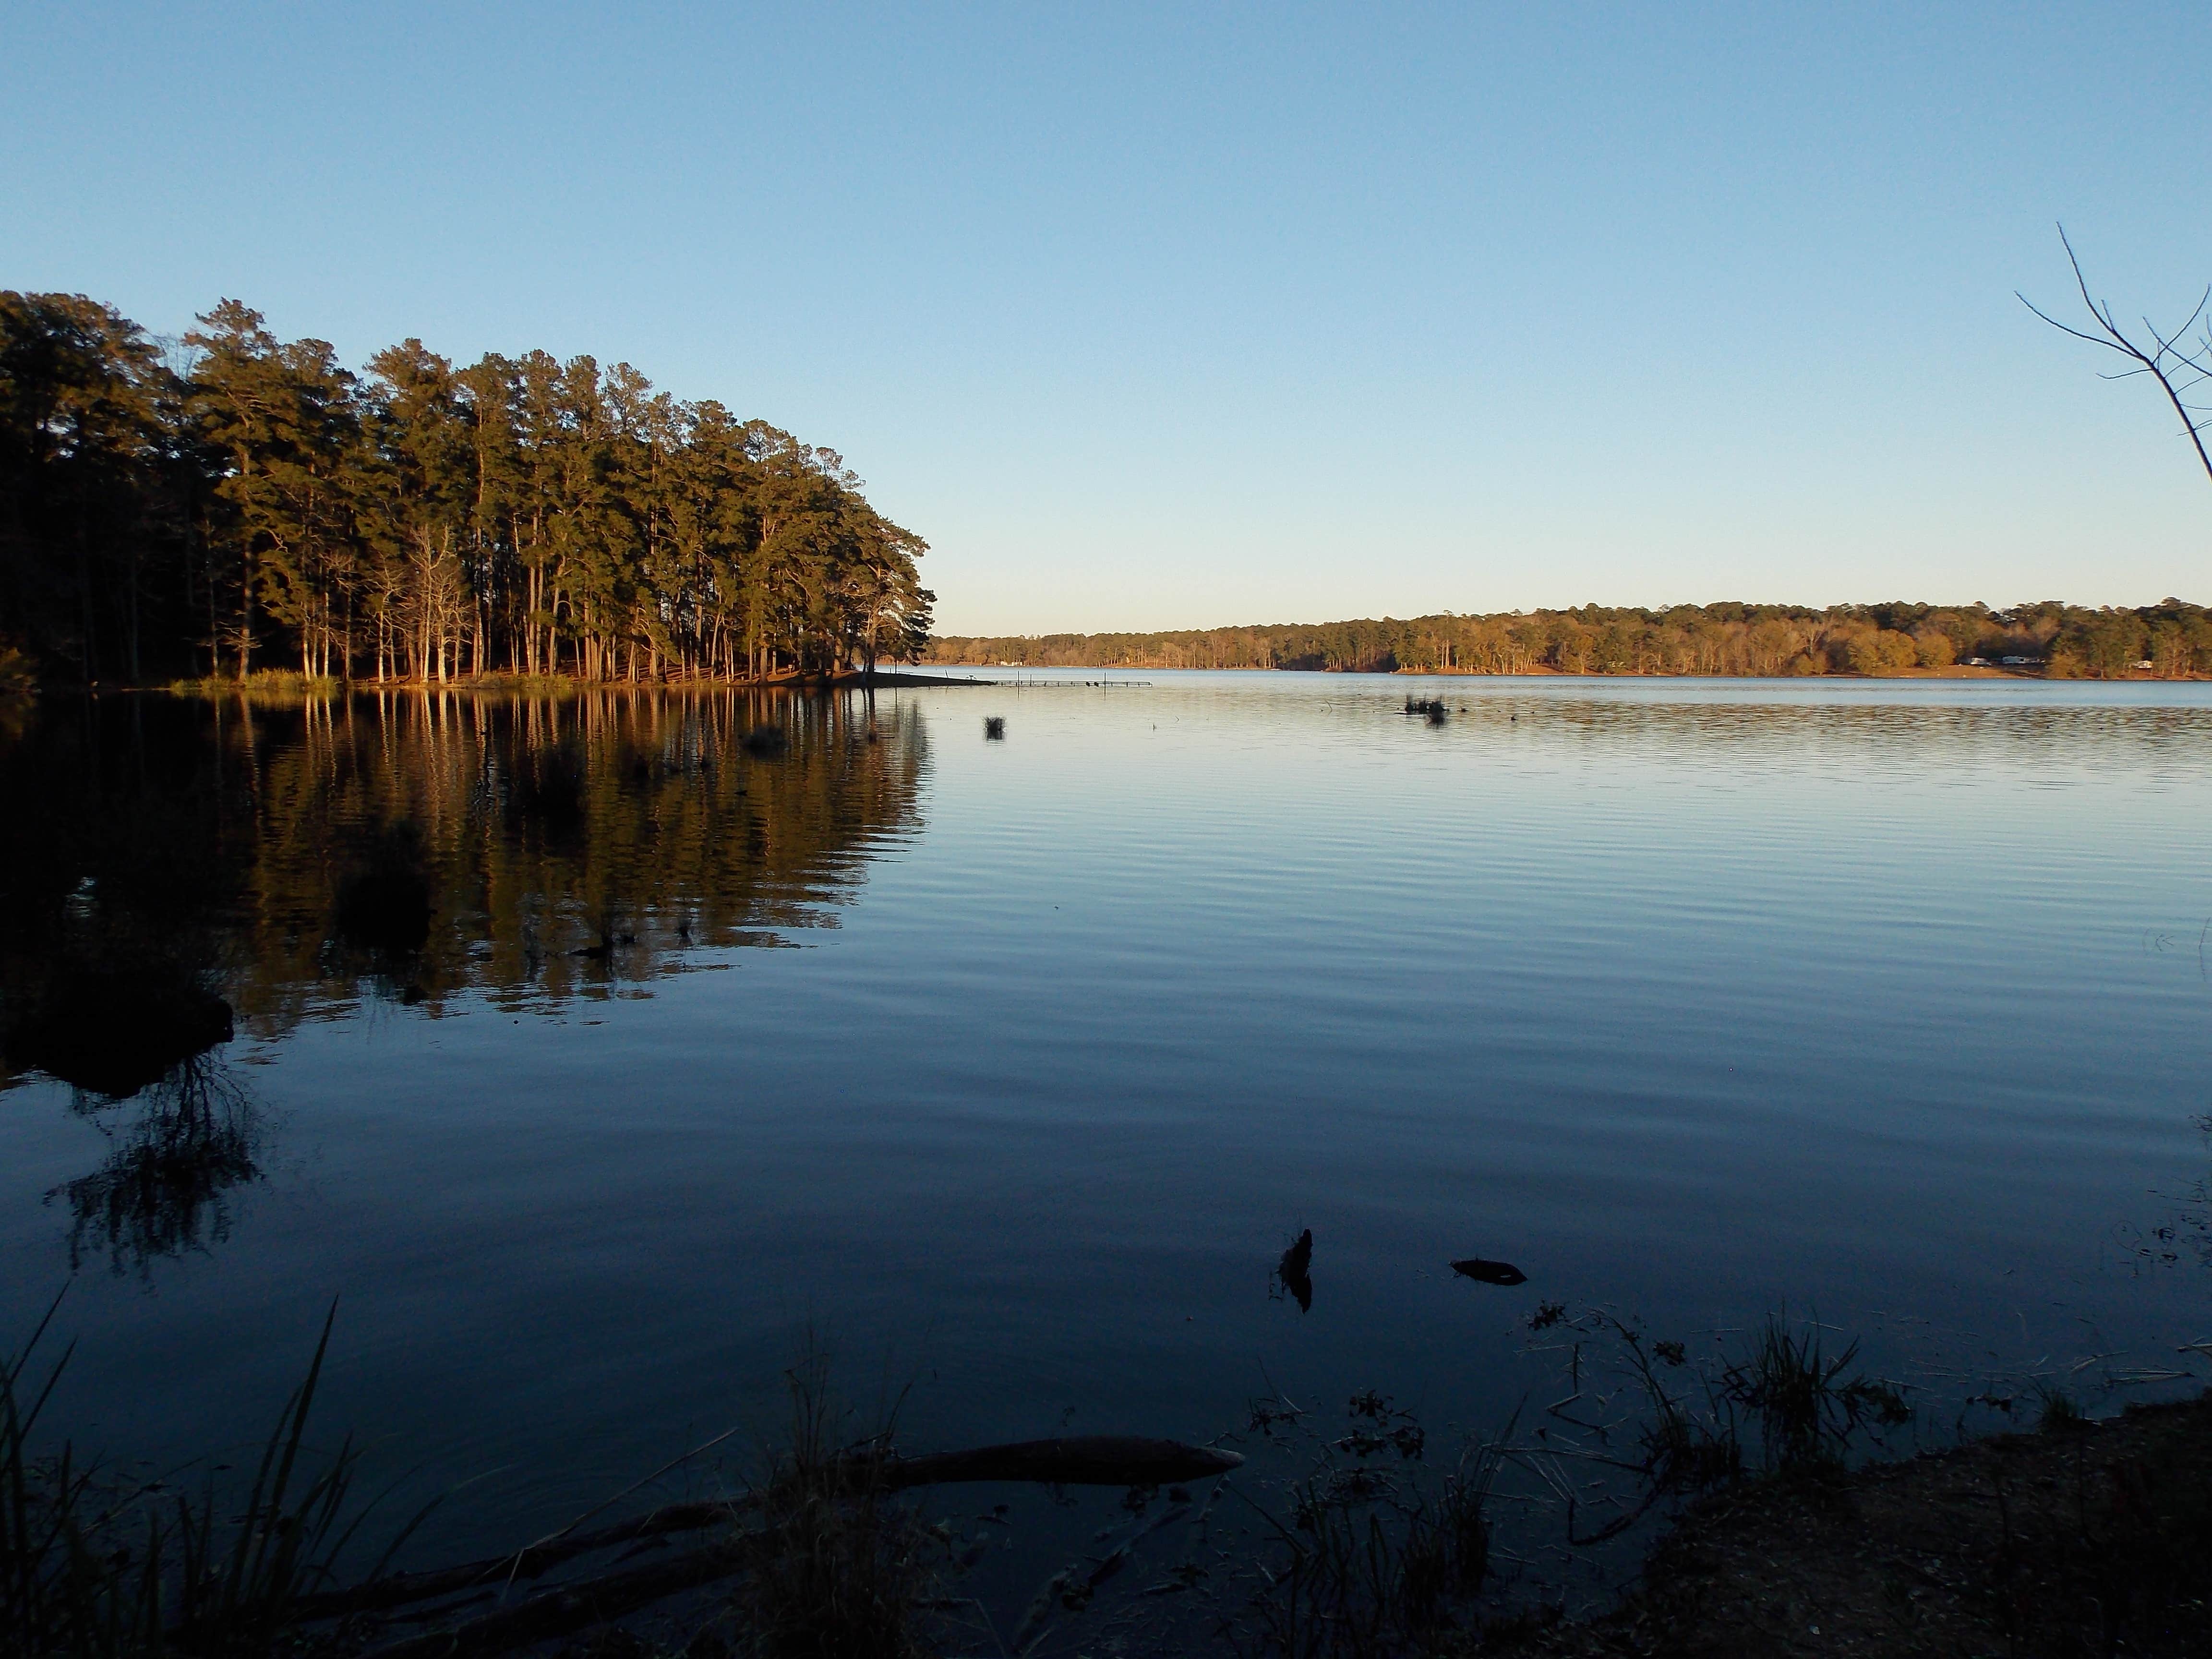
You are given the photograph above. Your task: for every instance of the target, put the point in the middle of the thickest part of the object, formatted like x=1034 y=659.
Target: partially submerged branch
x=572 y=1607
x=1097 y=1459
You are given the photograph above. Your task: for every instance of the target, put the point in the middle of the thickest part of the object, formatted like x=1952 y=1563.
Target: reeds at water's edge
x=1364 y=1537
x=97 y=1562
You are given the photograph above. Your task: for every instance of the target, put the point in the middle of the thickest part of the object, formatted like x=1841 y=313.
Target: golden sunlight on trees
x=236 y=499
x=2173 y=639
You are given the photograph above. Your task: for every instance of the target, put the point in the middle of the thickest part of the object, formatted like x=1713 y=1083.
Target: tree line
x=2170 y=639
x=230 y=500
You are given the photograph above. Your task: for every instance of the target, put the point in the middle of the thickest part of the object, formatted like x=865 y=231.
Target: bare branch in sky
x=2178 y=370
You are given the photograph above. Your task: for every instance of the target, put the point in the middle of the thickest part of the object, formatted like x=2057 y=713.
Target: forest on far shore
x=231 y=501
x=2170 y=639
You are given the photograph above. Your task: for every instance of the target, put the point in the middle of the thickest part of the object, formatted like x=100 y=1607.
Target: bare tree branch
x=2162 y=364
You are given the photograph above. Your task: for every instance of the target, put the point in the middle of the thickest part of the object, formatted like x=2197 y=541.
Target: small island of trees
x=231 y=501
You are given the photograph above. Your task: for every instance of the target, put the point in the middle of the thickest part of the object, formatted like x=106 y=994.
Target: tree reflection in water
x=168 y=1186
x=541 y=849
x=423 y=847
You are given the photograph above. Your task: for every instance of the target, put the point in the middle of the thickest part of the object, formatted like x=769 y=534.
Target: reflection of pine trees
x=565 y=845
x=167 y=1186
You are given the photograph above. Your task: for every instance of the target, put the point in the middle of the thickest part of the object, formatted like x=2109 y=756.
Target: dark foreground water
x=1010 y=1067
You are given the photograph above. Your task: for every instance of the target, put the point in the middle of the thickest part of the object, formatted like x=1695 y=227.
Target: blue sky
x=1188 y=315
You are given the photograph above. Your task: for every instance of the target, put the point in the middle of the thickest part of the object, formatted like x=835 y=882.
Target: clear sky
x=1195 y=314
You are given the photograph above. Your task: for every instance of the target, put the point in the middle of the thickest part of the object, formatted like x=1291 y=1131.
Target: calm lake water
x=1010 y=1067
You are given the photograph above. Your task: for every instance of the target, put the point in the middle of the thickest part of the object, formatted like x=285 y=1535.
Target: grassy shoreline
x=1368 y=1541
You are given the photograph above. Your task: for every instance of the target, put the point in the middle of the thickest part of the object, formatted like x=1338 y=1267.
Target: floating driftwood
x=1490 y=1272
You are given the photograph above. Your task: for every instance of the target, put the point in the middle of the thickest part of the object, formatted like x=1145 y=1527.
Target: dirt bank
x=2094 y=1537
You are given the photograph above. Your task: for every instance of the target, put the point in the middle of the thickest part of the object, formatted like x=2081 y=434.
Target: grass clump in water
x=1810 y=1406
x=1378 y=1553
x=816 y=1558
x=2057 y=1410
x=838 y=1565
x=93 y=1563
x=1781 y=1403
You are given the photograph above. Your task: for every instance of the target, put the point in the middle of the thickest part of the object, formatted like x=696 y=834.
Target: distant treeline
x=2169 y=639
x=231 y=500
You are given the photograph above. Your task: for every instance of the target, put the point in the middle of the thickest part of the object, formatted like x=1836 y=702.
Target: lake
x=1008 y=1067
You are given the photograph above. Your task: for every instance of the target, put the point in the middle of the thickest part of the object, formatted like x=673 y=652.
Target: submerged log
x=399 y=1589
x=575 y=1607
x=1095 y=1460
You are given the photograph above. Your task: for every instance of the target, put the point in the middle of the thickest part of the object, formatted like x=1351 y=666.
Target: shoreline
x=2082 y=1535
x=1955 y=672
x=285 y=683
x=289 y=684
